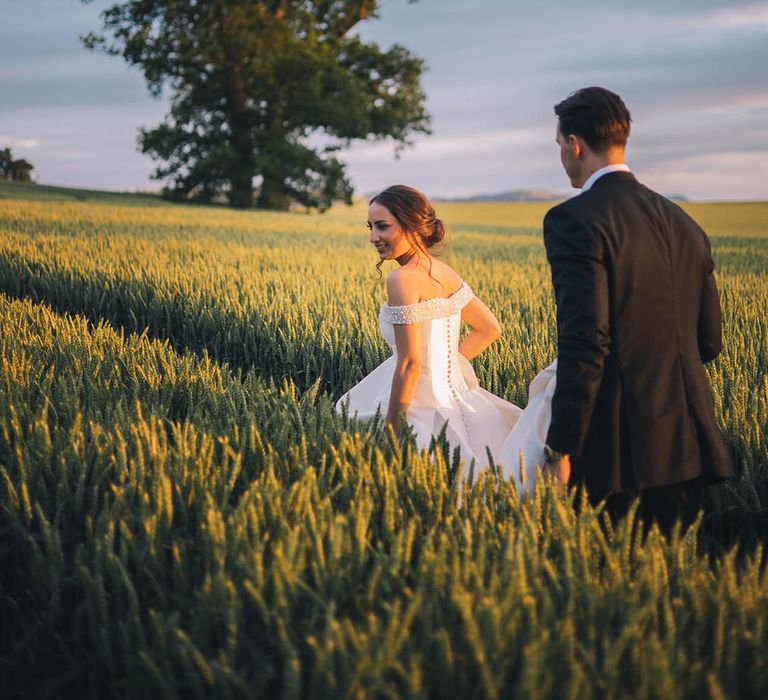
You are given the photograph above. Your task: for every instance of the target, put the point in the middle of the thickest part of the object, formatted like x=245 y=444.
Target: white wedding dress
x=527 y=437
x=448 y=394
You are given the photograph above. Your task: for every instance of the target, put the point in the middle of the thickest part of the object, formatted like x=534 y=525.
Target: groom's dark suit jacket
x=637 y=315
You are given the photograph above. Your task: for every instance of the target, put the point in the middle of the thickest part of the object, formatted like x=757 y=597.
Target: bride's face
x=386 y=233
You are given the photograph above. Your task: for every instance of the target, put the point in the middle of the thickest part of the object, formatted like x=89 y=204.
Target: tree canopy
x=11 y=168
x=265 y=92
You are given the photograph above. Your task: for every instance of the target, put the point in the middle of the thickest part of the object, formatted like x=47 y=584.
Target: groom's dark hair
x=597 y=115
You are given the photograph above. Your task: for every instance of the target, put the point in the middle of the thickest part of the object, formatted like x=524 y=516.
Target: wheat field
x=183 y=514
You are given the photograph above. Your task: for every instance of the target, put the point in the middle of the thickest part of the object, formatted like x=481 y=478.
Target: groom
x=637 y=316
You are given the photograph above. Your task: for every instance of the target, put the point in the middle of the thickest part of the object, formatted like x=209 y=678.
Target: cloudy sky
x=693 y=73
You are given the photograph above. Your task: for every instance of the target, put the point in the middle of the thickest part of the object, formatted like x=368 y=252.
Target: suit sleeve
x=710 y=330
x=580 y=279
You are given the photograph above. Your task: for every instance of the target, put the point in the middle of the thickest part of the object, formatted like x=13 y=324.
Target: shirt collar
x=595 y=176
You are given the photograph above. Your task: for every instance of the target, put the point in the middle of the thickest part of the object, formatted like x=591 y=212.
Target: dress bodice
x=440 y=318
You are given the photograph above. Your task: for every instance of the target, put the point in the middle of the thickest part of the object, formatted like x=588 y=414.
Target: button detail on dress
x=452 y=386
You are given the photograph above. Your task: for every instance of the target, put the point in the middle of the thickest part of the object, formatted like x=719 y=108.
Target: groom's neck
x=593 y=161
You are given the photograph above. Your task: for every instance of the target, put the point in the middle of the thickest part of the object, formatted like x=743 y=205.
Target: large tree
x=264 y=90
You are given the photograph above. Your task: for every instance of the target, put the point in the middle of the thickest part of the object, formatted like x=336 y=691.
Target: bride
x=429 y=378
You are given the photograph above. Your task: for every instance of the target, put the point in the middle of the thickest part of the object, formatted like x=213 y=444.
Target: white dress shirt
x=595 y=176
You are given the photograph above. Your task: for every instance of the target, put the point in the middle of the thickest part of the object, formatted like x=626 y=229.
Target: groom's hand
x=559 y=470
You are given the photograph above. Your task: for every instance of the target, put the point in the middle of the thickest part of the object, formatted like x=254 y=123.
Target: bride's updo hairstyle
x=415 y=214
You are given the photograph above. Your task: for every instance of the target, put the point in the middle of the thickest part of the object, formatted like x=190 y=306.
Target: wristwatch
x=551 y=455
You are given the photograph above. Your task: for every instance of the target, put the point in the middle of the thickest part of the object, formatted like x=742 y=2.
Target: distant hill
x=529 y=196
x=33 y=190
x=509 y=196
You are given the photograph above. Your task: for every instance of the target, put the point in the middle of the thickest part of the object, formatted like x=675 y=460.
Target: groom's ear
x=576 y=144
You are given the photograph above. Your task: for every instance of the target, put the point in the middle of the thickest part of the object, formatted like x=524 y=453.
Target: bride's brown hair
x=416 y=216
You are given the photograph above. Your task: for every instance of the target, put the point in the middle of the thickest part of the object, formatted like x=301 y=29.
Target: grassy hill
x=52 y=193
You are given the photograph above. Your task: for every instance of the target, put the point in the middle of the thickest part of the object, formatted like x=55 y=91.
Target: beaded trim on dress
x=439 y=307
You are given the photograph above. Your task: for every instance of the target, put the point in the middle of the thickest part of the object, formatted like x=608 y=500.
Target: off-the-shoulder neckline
x=463 y=286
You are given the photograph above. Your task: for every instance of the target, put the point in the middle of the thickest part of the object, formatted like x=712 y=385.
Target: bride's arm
x=408 y=346
x=407 y=369
x=485 y=328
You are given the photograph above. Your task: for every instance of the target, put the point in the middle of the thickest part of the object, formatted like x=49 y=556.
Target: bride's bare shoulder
x=447 y=276
x=412 y=284
x=403 y=286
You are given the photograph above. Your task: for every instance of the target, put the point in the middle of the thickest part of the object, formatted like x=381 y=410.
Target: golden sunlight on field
x=182 y=505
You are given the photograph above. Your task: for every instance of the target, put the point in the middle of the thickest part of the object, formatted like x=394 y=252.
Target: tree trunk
x=241 y=184
x=273 y=194
x=243 y=167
